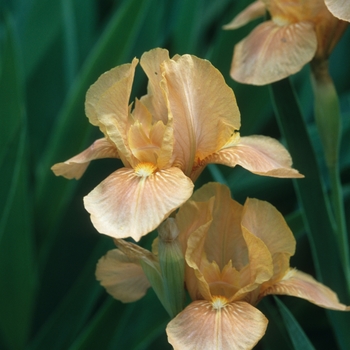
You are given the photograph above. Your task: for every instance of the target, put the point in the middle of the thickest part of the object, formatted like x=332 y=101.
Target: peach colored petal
x=202 y=211
x=272 y=52
x=204 y=109
x=122 y=276
x=110 y=94
x=155 y=100
x=260 y=268
x=76 y=166
x=302 y=285
x=128 y=205
x=224 y=240
x=184 y=219
x=150 y=142
x=259 y=154
x=140 y=144
x=118 y=134
x=339 y=8
x=200 y=326
x=255 y=10
x=197 y=284
x=267 y=223
x=142 y=115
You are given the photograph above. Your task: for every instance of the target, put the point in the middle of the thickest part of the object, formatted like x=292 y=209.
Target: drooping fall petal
x=203 y=107
x=201 y=326
x=76 y=166
x=302 y=285
x=259 y=154
x=272 y=52
x=339 y=8
x=253 y=11
x=122 y=276
x=131 y=204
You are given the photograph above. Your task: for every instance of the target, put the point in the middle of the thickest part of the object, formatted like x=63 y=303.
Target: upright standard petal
x=272 y=52
x=155 y=99
x=339 y=8
x=302 y=285
x=75 y=167
x=261 y=155
x=108 y=99
x=204 y=325
x=131 y=203
x=213 y=201
x=267 y=223
x=203 y=107
x=255 y=10
x=122 y=276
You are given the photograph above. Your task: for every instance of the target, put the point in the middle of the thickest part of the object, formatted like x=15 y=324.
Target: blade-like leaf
x=75 y=309
x=17 y=268
x=296 y=334
x=315 y=205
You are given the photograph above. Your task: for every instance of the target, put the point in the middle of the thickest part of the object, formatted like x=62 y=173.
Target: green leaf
x=72 y=313
x=17 y=269
x=296 y=334
x=314 y=202
x=115 y=325
x=41 y=14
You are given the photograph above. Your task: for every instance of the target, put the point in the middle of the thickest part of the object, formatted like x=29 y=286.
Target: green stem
x=328 y=121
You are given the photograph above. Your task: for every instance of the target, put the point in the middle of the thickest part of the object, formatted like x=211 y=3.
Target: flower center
x=218 y=302
x=145 y=169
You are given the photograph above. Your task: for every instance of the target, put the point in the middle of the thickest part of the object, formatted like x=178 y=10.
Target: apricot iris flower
x=188 y=118
x=298 y=32
x=235 y=255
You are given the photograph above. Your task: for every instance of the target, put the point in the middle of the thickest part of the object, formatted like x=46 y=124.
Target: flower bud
x=172 y=265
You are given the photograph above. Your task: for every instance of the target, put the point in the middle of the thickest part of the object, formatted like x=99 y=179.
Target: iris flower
x=299 y=31
x=235 y=255
x=188 y=118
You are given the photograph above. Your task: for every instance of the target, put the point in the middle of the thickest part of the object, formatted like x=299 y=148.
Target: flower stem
x=328 y=121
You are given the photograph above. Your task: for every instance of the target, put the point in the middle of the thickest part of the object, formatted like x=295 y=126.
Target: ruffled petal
x=261 y=155
x=201 y=326
x=255 y=10
x=155 y=100
x=76 y=166
x=264 y=221
x=122 y=276
x=339 y=8
x=302 y=285
x=259 y=267
x=224 y=240
x=203 y=107
x=267 y=223
x=126 y=204
x=196 y=282
x=272 y=52
x=110 y=93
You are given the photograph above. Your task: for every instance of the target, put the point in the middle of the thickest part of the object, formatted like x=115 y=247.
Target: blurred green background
x=50 y=53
